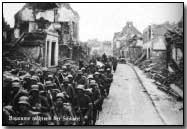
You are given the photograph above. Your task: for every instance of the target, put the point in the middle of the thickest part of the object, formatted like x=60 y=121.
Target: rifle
x=58 y=83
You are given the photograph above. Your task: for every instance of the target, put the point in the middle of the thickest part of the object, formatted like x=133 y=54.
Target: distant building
x=121 y=40
x=95 y=47
x=107 y=48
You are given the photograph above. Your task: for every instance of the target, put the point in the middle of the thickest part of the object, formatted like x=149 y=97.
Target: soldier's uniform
x=91 y=69
x=23 y=110
x=38 y=102
x=83 y=106
x=109 y=79
x=67 y=88
x=80 y=79
x=96 y=99
x=63 y=110
x=101 y=84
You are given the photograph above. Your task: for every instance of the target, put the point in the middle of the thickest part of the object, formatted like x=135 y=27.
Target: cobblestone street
x=128 y=103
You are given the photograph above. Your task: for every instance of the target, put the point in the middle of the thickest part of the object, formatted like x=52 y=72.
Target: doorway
x=53 y=46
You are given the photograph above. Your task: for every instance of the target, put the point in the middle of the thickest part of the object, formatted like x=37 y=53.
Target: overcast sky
x=102 y=20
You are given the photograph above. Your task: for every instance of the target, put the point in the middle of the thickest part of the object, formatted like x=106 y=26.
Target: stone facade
x=121 y=40
x=58 y=21
x=154 y=40
x=107 y=48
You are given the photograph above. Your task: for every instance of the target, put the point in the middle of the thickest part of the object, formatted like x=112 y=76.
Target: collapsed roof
x=30 y=11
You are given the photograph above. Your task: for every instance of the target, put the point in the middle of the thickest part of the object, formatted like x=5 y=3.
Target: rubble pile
x=163 y=77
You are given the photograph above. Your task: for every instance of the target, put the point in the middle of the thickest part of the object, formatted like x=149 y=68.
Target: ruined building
x=121 y=44
x=46 y=32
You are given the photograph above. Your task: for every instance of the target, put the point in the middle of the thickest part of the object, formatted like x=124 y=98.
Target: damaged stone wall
x=33 y=53
x=54 y=17
x=120 y=39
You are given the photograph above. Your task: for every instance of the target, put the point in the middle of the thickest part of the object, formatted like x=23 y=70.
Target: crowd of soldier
x=64 y=97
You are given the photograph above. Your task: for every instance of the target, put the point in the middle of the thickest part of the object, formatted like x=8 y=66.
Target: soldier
x=64 y=71
x=34 y=79
x=80 y=79
x=20 y=93
x=27 y=82
x=23 y=111
x=38 y=102
x=106 y=66
x=109 y=79
x=71 y=81
x=100 y=83
x=45 y=74
x=83 y=69
x=89 y=78
x=68 y=89
x=91 y=68
x=64 y=110
x=39 y=73
x=114 y=64
x=96 y=99
x=16 y=86
x=104 y=58
x=32 y=72
x=83 y=105
x=81 y=64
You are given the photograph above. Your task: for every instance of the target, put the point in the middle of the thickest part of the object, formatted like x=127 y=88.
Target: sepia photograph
x=92 y=64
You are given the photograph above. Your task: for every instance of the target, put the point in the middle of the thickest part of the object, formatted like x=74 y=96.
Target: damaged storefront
x=39 y=47
x=58 y=25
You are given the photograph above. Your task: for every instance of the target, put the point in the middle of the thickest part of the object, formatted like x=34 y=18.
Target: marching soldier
x=83 y=105
x=38 y=102
x=96 y=99
x=109 y=79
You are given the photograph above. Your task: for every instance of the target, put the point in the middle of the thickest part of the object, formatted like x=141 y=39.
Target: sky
x=101 y=20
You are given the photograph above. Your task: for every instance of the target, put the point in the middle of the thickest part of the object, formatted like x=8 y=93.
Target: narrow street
x=127 y=103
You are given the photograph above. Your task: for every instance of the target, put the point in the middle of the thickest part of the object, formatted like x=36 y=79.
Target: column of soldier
x=64 y=97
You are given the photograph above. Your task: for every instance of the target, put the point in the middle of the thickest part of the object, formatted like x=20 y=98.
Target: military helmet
x=93 y=83
x=24 y=100
x=66 y=79
x=56 y=90
x=79 y=72
x=90 y=76
x=15 y=79
x=108 y=69
x=49 y=84
x=34 y=88
x=35 y=78
x=80 y=87
x=50 y=76
x=64 y=67
x=60 y=95
x=16 y=85
x=70 y=76
x=83 y=69
x=96 y=73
